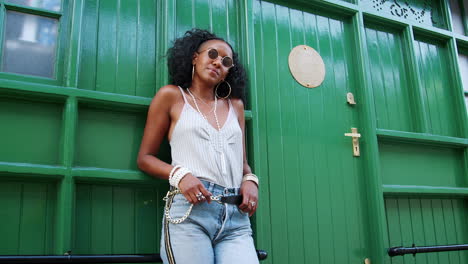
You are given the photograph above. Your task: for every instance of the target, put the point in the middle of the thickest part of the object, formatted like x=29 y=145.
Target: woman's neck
x=202 y=90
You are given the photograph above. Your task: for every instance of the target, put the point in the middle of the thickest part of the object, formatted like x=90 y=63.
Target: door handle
x=355 y=135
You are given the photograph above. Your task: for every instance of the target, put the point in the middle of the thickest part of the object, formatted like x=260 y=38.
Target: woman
x=202 y=114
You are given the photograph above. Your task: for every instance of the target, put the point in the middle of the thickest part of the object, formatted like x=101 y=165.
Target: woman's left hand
x=249 y=191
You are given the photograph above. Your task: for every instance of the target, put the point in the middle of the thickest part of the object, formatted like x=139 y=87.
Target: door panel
x=316 y=207
x=392 y=101
x=437 y=88
x=413 y=164
x=427 y=221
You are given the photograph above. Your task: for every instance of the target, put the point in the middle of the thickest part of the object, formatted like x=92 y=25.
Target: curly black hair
x=179 y=63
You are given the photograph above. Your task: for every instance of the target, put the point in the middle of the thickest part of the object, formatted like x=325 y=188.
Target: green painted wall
x=68 y=176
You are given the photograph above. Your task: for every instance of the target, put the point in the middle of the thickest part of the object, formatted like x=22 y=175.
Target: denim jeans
x=213 y=233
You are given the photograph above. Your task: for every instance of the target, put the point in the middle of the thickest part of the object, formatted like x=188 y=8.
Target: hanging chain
x=170 y=196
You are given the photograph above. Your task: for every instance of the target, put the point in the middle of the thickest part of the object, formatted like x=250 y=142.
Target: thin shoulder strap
x=183 y=94
x=231 y=108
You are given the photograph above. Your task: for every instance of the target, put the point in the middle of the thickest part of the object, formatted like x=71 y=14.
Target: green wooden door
x=409 y=185
x=315 y=184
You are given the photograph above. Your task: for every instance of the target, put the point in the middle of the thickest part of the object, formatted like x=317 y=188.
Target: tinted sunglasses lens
x=213 y=54
x=227 y=62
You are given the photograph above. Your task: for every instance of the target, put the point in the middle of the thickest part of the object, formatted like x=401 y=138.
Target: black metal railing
x=400 y=251
x=77 y=259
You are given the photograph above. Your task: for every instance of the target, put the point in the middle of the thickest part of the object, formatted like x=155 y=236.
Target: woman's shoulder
x=237 y=103
x=238 y=106
x=168 y=93
x=166 y=97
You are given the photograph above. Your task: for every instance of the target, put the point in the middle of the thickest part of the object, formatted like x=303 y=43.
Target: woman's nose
x=217 y=61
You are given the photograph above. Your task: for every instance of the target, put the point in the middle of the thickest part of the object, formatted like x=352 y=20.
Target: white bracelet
x=250 y=177
x=171 y=174
x=178 y=175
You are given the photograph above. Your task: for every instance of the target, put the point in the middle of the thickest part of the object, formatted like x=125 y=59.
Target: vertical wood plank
x=146 y=57
x=101 y=211
x=33 y=219
x=107 y=59
x=89 y=45
x=123 y=225
x=126 y=67
x=11 y=202
x=83 y=219
x=147 y=225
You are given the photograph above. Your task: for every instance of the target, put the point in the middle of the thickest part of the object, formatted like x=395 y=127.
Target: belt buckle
x=216 y=198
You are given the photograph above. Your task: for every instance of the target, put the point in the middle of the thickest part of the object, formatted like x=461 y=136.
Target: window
x=30 y=37
x=463 y=60
x=458 y=10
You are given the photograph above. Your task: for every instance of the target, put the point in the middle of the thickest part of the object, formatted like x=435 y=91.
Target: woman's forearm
x=155 y=167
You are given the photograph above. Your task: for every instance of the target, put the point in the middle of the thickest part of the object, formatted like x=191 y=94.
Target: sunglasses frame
x=222 y=58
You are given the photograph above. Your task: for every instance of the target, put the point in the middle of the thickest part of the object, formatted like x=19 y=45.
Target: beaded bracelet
x=178 y=175
x=171 y=174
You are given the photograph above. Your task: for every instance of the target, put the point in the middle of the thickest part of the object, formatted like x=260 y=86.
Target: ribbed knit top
x=216 y=156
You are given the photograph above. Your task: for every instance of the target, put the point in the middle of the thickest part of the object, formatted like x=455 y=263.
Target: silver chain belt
x=168 y=199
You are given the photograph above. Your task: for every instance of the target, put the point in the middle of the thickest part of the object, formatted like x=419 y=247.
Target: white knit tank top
x=216 y=156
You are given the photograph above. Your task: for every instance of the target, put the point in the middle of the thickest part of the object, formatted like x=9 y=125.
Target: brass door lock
x=355 y=135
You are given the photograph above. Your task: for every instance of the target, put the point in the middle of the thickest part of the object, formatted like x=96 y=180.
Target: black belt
x=231 y=199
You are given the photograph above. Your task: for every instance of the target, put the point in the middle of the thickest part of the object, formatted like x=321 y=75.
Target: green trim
x=49 y=171
x=414 y=77
x=400 y=136
x=430 y=35
x=65 y=214
x=377 y=222
x=74 y=47
x=447 y=17
x=28 y=78
x=32 y=89
x=384 y=22
x=457 y=85
x=335 y=6
x=112 y=175
x=257 y=150
x=61 y=47
x=33 y=11
x=332 y=9
x=70 y=118
x=416 y=190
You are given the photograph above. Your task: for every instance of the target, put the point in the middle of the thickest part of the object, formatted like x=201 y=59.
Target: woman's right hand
x=190 y=186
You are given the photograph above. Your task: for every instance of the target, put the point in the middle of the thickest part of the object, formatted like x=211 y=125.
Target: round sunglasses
x=213 y=54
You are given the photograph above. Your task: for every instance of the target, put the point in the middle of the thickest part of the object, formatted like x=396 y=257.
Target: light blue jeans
x=213 y=233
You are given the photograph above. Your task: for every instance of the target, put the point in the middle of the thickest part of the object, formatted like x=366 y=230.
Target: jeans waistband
x=217 y=189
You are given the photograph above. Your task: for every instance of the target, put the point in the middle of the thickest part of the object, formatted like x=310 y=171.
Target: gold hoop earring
x=216 y=90
x=193 y=70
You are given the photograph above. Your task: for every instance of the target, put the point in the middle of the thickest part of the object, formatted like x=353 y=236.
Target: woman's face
x=208 y=69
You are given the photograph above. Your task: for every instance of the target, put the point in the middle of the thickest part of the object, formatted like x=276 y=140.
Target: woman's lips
x=213 y=71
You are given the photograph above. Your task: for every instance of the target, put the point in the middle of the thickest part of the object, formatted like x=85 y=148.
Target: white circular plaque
x=306 y=66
